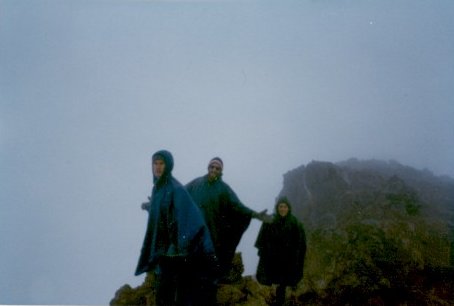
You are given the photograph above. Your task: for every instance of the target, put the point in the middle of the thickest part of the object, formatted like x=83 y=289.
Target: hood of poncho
x=167 y=157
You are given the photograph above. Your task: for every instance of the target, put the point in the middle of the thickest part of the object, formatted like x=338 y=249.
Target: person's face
x=282 y=209
x=158 y=167
x=214 y=171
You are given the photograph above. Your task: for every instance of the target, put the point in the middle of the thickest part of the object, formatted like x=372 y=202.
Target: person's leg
x=185 y=279
x=198 y=286
x=207 y=292
x=166 y=284
x=280 y=295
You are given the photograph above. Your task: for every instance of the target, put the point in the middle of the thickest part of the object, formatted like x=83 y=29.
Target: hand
x=146 y=206
x=264 y=217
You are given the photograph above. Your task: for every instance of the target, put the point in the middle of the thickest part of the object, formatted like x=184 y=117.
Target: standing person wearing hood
x=281 y=248
x=177 y=243
x=226 y=217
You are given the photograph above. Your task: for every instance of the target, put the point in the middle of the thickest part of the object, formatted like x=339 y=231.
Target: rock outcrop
x=378 y=232
x=236 y=290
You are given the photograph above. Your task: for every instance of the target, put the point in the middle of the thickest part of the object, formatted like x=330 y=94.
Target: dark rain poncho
x=175 y=224
x=226 y=217
x=281 y=248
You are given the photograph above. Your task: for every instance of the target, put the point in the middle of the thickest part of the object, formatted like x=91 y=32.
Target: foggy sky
x=90 y=89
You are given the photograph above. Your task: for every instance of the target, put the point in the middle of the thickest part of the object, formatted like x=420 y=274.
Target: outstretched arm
x=262 y=216
x=240 y=207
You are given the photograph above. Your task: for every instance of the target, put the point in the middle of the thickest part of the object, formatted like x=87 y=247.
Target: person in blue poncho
x=177 y=244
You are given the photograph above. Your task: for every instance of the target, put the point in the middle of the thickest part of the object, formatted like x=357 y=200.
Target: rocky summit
x=378 y=233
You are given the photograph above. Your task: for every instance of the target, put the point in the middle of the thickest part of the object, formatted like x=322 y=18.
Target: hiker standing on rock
x=281 y=248
x=177 y=243
x=226 y=217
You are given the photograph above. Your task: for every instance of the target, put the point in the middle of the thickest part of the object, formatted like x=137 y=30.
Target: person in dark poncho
x=281 y=248
x=226 y=217
x=177 y=244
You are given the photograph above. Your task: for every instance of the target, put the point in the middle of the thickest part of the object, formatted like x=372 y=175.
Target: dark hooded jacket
x=226 y=217
x=281 y=248
x=175 y=224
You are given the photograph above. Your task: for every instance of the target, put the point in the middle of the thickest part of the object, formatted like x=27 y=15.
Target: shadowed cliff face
x=379 y=233
x=324 y=194
x=374 y=228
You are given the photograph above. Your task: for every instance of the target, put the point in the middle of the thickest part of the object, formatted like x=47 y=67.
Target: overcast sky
x=90 y=89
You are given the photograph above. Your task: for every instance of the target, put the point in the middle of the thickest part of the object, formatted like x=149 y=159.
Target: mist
x=89 y=90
